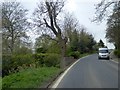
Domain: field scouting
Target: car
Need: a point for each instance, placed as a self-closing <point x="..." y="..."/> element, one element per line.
<point x="103" y="53"/>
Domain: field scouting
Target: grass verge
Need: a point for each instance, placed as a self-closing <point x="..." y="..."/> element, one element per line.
<point x="0" y="83"/>
<point x="116" y="59"/>
<point x="30" y="78"/>
<point x="85" y="54"/>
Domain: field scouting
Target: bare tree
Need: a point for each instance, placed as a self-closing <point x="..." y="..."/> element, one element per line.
<point x="104" y="9"/>
<point x="113" y="27"/>
<point x="14" y="24"/>
<point x="70" y="25"/>
<point x="111" y="10"/>
<point x="46" y="16"/>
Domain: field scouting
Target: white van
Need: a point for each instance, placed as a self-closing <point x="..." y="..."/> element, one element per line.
<point x="103" y="53"/>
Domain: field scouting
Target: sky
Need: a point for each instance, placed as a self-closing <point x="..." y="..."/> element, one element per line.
<point x="84" y="11"/>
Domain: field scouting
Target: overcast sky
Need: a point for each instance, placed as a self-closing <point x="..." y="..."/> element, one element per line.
<point x="84" y="11"/>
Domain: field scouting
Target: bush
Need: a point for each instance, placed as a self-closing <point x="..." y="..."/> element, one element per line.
<point x="41" y="50"/>
<point x="22" y="51"/>
<point x="10" y="63"/>
<point x="75" y="54"/>
<point x="39" y="58"/>
<point x="117" y="53"/>
<point x="47" y="59"/>
<point x="7" y="64"/>
<point x="52" y="60"/>
<point x="23" y="59"/>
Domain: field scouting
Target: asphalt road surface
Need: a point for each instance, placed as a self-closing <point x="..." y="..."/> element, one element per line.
<point x="89" y="72"/>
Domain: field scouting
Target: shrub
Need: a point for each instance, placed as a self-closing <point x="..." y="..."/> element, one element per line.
<point x="75" y="54"/>
<point x="52" y="60"/>
<point x="7" y="64"/>
<point x="39" y="58"/>
<point x="22" y="51"/>
<point x="41" y="50"/>
<point x="47" y="59"/>
<point x="23" y="59"/>
<point x="12" y="62"/>
<point x="117" y="53"/>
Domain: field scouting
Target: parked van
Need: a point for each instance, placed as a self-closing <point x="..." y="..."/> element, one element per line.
<point x="103" y="53"/>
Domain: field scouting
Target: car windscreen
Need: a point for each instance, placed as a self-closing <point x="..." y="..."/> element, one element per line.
<point x="103" y="51"/>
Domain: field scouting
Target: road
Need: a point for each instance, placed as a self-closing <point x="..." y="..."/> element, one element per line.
<point x="89" y="72"/>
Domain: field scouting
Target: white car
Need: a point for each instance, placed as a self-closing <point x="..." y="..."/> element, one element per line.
<point x="103" y="53"/>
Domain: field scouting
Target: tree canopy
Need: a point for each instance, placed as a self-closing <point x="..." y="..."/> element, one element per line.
<point x="14" y="25"/>
<point x="113" y="26"/>
<point x="111" y="10"/>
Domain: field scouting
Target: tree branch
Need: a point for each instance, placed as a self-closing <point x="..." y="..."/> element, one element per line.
<point x="55" y="15"/>
<point x="47" y="25"/>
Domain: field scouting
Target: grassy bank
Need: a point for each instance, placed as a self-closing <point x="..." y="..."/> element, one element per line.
<point x="29" y="78"/>
<point x="32" y="77"/>
<point x="86" y="54"/>
<point x="0" y="83"/>
<point x="116" y="59"/>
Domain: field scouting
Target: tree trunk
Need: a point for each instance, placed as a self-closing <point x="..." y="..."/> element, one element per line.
<point x="12" y="41"/>
<point x="62" y="44"/>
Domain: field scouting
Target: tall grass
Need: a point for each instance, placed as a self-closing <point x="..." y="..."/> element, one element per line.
<point x="29" y="78"/>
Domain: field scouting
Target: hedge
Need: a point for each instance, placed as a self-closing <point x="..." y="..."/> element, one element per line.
<point x="75" y="54"/>
<point x="52" y="60"/>
<point x="117" y="53"/>
<point x="14" y="63"/>
<point x="10" y="63"/>
<point x="47" y="59"/>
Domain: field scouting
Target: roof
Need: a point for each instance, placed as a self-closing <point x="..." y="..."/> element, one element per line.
<point x="103" y="48"/>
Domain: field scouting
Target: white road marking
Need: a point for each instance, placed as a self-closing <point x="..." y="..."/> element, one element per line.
<point x="114" y="61"/>
<point x="61" y="77"/>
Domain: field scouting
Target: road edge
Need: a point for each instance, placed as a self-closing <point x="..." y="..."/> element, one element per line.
<point x="113" y="57"/>
<point x="114" y="61"/>
<point x="59" y="78"/>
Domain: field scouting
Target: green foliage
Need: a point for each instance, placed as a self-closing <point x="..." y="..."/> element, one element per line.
<point x="117" y="53"/>
<point x="85" y="54"/>
<point x="42" y="43"/>
<point x="74" y="40"/>
<point x="81" y="41"/>
<point x="75" y="54"/>
<point x="113" y="25"/>
<point x="12" y="62"/>
<point x="7" y="64"/>
<point x="14" y="25"/>
<point x="52" y="60"/>
<point x="23" y="59"/>
<point x="0" y="83"/>
<point x="40" y="50"/>
<point x="29" y="78"/>
<point x="53" y="48"/>
<point x="39" y="58"/>
<point x="22" y="51"/>
<point x="47" y="59"/>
